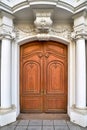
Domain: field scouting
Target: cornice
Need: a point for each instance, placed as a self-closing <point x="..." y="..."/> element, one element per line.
<point x="31" y="3"/>
<point x="51" y="2"/>
<point x="55" y="3"/>
<point x="34" y="3"/>
<point x="4" y="13"/>
<point x="80" y="7"/>
<point x="66" y="6"/>
<point x="20" y="6"/>
<point x="58" y="3"/>
<point x="5" y="7"/>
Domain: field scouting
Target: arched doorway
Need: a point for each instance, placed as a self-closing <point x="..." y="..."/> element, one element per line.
<point x="43" y="77"/>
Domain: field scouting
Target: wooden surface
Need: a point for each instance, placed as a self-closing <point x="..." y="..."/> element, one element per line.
<point x="43" y="77"/>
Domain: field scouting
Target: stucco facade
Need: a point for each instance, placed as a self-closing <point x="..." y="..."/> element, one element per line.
<point x="24" y="21"/>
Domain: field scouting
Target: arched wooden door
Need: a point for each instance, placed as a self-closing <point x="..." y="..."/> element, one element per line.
<point x="43" y="77"/>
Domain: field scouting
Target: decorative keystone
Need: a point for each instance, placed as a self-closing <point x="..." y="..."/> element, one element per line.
<point x="43" y="21"/>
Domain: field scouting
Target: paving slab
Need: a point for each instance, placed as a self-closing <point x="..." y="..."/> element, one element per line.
<point x="71" y="123"/>
<point x="34" y="128"/>
<point x="62" y="128"/>
<point x="3" y="128"/>
<point x="74" y="127"/>
<point x="11" y="127"/>
<point x="23" y="122"/>
<point x="60" y="122"/>
<point x="8" y="128"/>
<point x="21" y="128"/>
<point x="48" y="122"/>
<point x="83" y="128"/>
<point x="35" y="122"/>
<point x="42" y="125"/>
<point x="48" y="128"/>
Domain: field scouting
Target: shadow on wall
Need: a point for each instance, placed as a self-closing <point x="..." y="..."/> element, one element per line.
<point x="0" y="73"/>
<point x="86" y="72"/>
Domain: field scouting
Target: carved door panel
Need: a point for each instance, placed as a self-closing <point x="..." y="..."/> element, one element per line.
<point x="43" y="77"/>
<point x="55" y="70"/>
<point x="31" y="78"/>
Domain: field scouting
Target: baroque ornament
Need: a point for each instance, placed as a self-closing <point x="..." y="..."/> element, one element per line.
<point x="28" y="30"/>
<point x="43" y="21"/>
<point x="79" y="32"/>
<point x="7" y="32"/>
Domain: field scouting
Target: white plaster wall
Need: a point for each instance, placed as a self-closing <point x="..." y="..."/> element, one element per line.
<point x="9" y="21"/>
<point x="0" y="21"/>
<point x="80" y="19"/>
<point x="86" y="20"/>
<point x="71" y="75"/>
<point x="15" y="77"/>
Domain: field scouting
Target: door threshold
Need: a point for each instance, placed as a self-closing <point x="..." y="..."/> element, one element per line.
<point x="42" y="116"/>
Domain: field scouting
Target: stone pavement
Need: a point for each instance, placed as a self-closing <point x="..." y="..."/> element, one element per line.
<point x="42" y="125"/>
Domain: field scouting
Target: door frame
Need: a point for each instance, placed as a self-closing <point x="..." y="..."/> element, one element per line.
<point x="16" y="70"/>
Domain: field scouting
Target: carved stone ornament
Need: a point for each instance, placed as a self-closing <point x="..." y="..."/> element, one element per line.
<point x="7" y="32"/>
<point x="28" y="30"/>
<point x="80" y="31"/>
<point x="43" y="37"/>
<point x="73" y="34"/>
<point x="43" y="20"/>
<point x="79" y="34"/>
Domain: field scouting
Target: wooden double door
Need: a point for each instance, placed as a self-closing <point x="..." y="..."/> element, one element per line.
<point x="43" y="77"/>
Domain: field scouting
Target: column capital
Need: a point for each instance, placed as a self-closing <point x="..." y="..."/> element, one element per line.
<point x="79" y="34"/>
<point x="80" y="25"/>
<point x="7" y="32"/>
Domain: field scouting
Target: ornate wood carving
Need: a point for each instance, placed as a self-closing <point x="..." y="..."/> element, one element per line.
<point x="43" y="77"/>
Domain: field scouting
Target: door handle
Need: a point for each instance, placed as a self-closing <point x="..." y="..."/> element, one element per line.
<point x="43" y="92"/>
